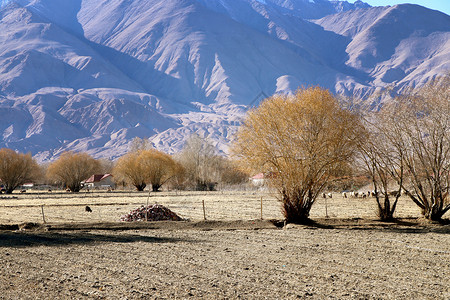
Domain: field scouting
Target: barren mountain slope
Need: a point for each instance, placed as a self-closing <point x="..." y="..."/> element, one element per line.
<point x="89" y="75"/>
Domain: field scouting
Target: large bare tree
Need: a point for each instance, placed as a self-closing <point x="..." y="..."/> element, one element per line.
<point x="16" y="169"/>
<point x="419" y="133"/>
<point x="299" y="140"/>
<point x="71" y="168"/>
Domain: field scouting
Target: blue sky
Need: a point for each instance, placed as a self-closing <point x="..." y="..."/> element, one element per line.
<point x="442" y="5"/>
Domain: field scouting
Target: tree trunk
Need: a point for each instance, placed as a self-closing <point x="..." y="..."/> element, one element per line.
<point x="385" y="212"/>
<point x="295" y="209"/>
<point x="156" y="187"/>
<point x="201" y="186"/>
<point x="433" y="214"/>
<point x="140" y="187"/>
<point x="75" y="188"/>
<point x="435" y="210"/>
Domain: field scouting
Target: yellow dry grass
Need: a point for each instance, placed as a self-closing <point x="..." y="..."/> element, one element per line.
<point x="62" y="207"/>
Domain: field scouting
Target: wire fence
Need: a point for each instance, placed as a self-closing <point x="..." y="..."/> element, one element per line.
<point x="62" y="207"/>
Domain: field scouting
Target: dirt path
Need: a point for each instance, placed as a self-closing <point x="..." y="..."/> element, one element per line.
<point x="219" y="262"/>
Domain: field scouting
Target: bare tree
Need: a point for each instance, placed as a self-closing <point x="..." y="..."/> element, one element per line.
<point x="129" y="169"/>
<point x="70" y="169"/>
<point x="159" y="166"/>
<point x="299" y="140"/>
<point x="106" y="165"/>
<point x="382" y="165"/>
<point x="201" y="162"/>
<point x="16" y="169"/>
<point x="178" y="181"/>
<point x="419" y="133"/>
<point x="230" y="173"/>
<point x="138" y="144"/>
<point x="144" y="167"/>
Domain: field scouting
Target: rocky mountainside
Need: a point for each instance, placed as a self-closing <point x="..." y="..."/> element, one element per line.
<point x="89" y="75"/>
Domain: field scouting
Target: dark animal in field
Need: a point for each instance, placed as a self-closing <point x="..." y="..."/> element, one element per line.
<point x="88" y="209"/>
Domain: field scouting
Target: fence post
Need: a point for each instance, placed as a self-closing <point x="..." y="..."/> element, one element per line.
<point x="43" y="215"/>
<point x="204" y="212"/>
<point x="261" y="208"/>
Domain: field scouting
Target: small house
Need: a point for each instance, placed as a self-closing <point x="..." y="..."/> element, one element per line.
<point x="258" y="179"/>
<point x="100" y="181"/>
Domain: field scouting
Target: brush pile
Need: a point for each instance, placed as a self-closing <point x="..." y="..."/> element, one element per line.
<point x="155" y="212"/>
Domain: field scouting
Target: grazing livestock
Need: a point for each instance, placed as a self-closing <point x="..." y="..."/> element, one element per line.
<point x="88" y="209"/>
<point x="354" y="194"/>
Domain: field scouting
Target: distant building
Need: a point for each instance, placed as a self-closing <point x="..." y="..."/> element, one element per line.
<point x="100" y="181"/>
<point x="258" y="179"/>
<point x="261" y="179"/>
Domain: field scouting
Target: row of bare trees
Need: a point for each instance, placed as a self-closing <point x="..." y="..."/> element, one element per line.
<point x="147" y="166"/>
<point x="197" y="167"/>
<point x="303" y="140"/>
<point x="409" y="150"/>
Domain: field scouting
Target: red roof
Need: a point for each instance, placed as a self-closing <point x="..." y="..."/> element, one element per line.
<point x="268" y="175"/>
<point x="258" y="176"/>
<point x="97" y="178"/>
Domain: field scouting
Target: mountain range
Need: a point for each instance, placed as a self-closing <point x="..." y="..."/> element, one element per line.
<point x="90" y="75"/>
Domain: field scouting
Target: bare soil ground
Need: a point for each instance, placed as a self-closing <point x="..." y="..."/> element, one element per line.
<point x="232" y="255"/>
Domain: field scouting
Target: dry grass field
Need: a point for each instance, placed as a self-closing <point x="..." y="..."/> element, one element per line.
<point x="232" y="255"/>
<point x="62" y="207"/>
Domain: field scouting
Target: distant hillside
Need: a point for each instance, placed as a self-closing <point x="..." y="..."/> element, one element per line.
<point x="89" y="75"/>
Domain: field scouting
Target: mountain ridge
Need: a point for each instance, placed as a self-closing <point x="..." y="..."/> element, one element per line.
<point x="91" y="75"/>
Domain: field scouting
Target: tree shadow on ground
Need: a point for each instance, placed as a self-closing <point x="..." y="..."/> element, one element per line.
<point x="35" y="239"/>
<point x="445" y="229"/>
<point x="406" y="225"/>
